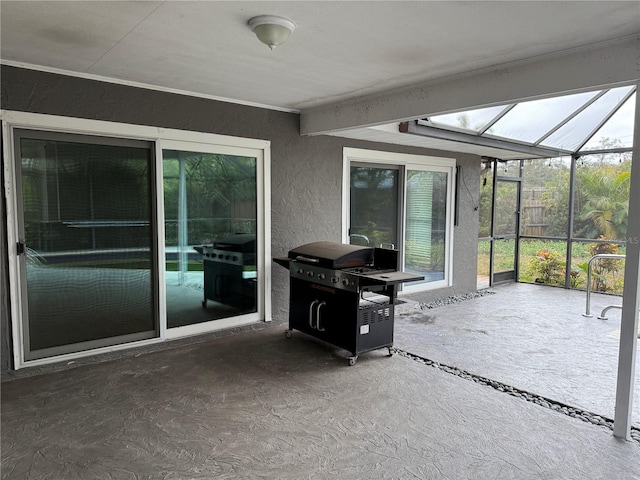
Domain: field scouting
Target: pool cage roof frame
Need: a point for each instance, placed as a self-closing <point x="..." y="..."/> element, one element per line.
<point x="599" y="121"/>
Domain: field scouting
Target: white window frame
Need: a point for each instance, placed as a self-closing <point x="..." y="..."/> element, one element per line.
<point x="406" y="162"/>
<point x="163" y="138"/>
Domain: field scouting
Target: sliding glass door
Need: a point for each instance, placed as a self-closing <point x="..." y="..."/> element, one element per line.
<point x="426" y="216"/>
<point x="405" y="206"/>
<point x="211" y="226"/>
<point x="374" y="208"/>
<point x="117" y="242"/>
<point x="86" y="242"/>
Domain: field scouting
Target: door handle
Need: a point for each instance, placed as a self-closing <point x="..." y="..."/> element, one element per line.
<point x="311" y="305"/>
<point x="320" y="305"/>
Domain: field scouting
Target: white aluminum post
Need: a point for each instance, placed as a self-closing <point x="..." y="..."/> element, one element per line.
<point x="631" y="298"/>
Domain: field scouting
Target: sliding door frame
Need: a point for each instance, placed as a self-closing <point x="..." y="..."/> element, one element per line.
<point x="405" y="162"/>
<point x="212" y="325"/>
<point x="20" y="134"/>
<point x="159" y="137"/>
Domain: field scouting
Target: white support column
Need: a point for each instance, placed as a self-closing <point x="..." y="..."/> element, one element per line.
<point x="631" y="297"/>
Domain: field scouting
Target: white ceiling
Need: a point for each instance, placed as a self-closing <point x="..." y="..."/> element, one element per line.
<point x="339" y="50"/>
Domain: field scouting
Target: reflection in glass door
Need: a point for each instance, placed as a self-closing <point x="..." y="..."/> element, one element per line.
<point x="374" y="206"/>
<point x="210" y="209"/>
<point x="418" y="230"/>
<point x="485" y="207"/>
<point x="425" y="224"/>
<point x="505" y="230"/>
<point x="87" y="260"/>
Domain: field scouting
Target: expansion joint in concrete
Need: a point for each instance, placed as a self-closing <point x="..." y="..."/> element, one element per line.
<point x="559" y="407"/>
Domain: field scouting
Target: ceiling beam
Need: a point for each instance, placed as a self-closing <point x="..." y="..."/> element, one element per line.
<point x="597" y="66"/>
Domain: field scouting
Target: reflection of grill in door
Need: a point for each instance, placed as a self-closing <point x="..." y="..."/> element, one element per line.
<point x="230" y="273"/>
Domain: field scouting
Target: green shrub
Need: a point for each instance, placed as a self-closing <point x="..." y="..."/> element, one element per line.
<point x="547" y="267"/>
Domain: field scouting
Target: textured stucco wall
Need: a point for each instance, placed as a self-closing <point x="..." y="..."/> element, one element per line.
<point x="306" y="172"/>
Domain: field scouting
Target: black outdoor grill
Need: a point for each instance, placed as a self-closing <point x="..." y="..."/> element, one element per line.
<point x="327" y="285"/>
<point x="230" y="271"/>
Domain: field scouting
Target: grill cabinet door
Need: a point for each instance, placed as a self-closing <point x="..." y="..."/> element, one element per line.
<point x="326" y="313"/>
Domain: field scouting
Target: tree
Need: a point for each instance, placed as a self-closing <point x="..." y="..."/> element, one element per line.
<point x="602" y="198"/>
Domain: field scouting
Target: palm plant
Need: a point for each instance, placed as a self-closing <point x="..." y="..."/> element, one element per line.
<point x="606" y="209"/>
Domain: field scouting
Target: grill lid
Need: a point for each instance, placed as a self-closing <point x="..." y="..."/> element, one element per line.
<point x="333" y="255"/>
<point x="241" y="242"/>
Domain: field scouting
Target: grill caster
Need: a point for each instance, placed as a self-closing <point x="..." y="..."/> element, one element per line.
<point x="390" y="352"/>
<point x="287" y="333"/>
<point x="352" y="360"/>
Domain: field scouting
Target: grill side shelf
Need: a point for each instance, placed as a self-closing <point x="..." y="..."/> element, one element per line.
<point x="282" y="261"/>
<point x="388" y="278"/>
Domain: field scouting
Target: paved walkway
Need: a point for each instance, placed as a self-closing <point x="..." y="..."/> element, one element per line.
<point x="528" y="336"/>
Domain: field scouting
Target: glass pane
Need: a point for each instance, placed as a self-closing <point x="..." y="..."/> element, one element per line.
<point x="529" y="121"/>
<point x="618" y="131"/>
<point x="601" y="200"/>
<point x="504" y="255"/>
<point x="574" y="132"/>
<point x="545" y="197"/>
<point x="425" y="230"/>
<point x="543" y="261"/>
<point x="484" y="253"/>
<point x="607" y="274"/>
<point x="471" y="119"/>
<point x="508" y="168"/>
<point x="374" y="207"/>
<point x="210" y="204"/>
<point x="87" y="212"/>
<point x="486" y="199"/>
<point x="506" y="210"/>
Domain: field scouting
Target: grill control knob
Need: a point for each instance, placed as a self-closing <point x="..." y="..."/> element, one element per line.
<point x="235" y="259"/>
<point x="345" y="282"/>
<point x="334" y="279"/>
<point x="321" y="276"/>
<point x="310" y="274"/>
<point x="300" y="271"/>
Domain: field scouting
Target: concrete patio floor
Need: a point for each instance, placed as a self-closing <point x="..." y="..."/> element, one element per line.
<point x="531" y="337"/>
<point x="256" y="405"/>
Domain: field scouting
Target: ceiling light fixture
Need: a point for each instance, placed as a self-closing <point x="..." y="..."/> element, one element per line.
<point x="271" y="30"/>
